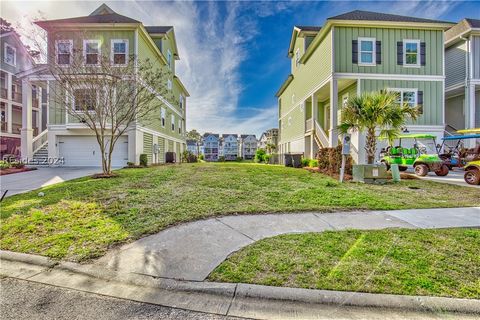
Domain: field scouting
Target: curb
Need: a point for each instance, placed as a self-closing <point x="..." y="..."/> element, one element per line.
<point x="247" y="292"/>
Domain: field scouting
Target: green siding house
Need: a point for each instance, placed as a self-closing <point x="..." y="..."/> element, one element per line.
<point x="107" y="31"/>
<point x="352" y="53"/>
<point x="462" y="71"/>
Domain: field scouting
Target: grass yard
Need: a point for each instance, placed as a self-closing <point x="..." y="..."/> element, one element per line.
<point x="80" y="219"/>
<point x="442" y="262"/>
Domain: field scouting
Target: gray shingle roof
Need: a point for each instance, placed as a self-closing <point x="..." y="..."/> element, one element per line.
<point x="474" y="23"/>
<point x="158" y="29"/>
<point x="377" y="16"/>
<point x="101" y="18"/>
<point x="309" y="28"/>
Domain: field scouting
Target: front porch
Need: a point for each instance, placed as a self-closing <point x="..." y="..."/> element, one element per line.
<point x="322" y="116"/>
<point x="462" y="106"/>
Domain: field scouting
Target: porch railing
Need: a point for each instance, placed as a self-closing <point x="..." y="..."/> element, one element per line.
<point x="321" y="135"/>
<point x="4" y="93"/>
<point x="309" y="125"/>
<point x="40" y="140"/>
<point x="17" y="96"/>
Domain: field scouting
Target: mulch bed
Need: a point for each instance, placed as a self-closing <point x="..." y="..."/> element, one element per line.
<point x="15" y="170"/>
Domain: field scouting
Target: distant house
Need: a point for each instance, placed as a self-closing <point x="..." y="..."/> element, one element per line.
<point x="268" y="138"/>
<point x="211" y="146"/>
<point x="192" y="146"/>
<point x="248" y="146"/>
<point x="230" y="146"/>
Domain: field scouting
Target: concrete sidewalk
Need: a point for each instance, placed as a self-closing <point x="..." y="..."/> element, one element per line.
<point x="191" y="251"/>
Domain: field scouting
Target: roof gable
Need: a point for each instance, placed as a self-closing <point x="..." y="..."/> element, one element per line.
<point x="377" y="16"/>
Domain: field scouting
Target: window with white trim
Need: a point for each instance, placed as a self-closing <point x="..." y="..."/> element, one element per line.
<point x="180" y="126"/>
<point x="172" y="121"/>
<point x="169" y="58"/>
<point x="84" y="100"/>
<point x="181" y="99"/>
<point x="366" y="51"/>
<point x="162" y="116"/>
<point x="119" y="52"/>
<point x="411" y="53"/>
<point x="406" y="96"/>
<point x="169" y="84"/>
<point x="91" y="52"/>
<point x="64" y="50"/>
<point x="10" y="55"/>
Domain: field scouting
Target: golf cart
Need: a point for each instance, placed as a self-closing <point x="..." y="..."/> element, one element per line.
<point x="472" y="159"/>
<point x="454" y="155"/>
<point x="417" y="156"/>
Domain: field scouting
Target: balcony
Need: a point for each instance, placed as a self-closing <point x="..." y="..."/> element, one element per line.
<point x="4" y="93"/>
<point x="17" y="97"/>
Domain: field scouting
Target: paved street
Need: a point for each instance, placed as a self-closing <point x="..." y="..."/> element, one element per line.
<point x="192" y="250"/>
<point x="454" y="177"/>
<point x="21" y="299"/>
<point x="31" y="180"/>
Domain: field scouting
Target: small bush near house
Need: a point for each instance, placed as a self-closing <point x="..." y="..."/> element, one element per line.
<point x="305" y="162"/>
<point x="18" y="164"/>
<point x="189" y="157"/>
<point x="239" y="159"/>
<point x="267" y="158"/>
<point x="4" y="164"/>
<point x="201" y="157"/>
<point x="313" y="163"/>
<point x="221" y="159"/>
<point x="330" y="161"/>
<point x="260" y="155"/>
<point x="144" y="160"/>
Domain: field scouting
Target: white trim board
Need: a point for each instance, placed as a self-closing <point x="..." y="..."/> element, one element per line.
<point x="381" y="76"/>
<point x="159" y="134"/>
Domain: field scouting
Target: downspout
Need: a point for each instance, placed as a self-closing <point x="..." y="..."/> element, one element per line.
<point x="467" y="80"/>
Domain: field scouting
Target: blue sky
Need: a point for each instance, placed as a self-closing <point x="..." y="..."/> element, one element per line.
<point x="233" y="54"/>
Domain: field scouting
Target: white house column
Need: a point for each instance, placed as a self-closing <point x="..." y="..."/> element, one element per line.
<point x="135" y="145"/>
<point x="27" y="132"/>
<point x="333" y="132"/>
<point x="470" y="112"/>
<point x="314" y="120"/>
<point x="9" y="104"/>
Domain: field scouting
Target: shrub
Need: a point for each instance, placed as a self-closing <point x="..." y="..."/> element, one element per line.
<point x="239" y="159"/>
<point x="305" y="162"/>
<point x="267" y="158"/>
<point x="18" y="164"/>
<point x="221" y="159"/>
<point x="330" y="160"/>
<point x="260" y="155"/>
<point x="4" y="164"/>
<point x="189" y="157"/>
<point x="143" y="160"/>
<point x="201" y="157"/>
<point x="313" y="163"/>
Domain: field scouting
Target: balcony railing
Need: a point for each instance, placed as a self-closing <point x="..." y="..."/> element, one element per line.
<point x="309" y="125"/>
<point x="16" y="128"/>
<point x="4" y="93"/>
<point x="17" y="96"/>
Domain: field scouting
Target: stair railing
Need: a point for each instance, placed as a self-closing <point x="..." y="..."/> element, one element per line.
<point x="321" y="135"/>
<point x="39" y="141"/>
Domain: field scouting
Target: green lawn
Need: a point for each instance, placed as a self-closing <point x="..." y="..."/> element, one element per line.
<point x="82" y="218"/>
<point x="399" y="261"/>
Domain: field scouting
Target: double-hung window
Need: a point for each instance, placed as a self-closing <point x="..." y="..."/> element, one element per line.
<point x="10" y="55"/>
<point x="179" y="126"/>
<point x="366" y="51"/>
<point x="64" y="51"/>
<point x="411" y="53"/>
<point x="181" y="98"/>
<point x="84" y="100"/>
<point x="172" y="118"/>
<point x="162" y="116"/>
<point x="406" y="96"/>
<point x="169" y="58"/>
<point x="119" y="52"/>
<point x="91" y="52"/>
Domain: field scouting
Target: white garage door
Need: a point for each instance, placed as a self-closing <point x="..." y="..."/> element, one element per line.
<point x="84" y="151"/>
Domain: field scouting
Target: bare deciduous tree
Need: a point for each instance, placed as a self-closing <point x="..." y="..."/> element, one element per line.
<point x="108" y="92"/>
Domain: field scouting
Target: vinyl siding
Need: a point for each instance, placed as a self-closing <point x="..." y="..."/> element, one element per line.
<point x="22" y="61"/>
<point x="455" y="64"/>
<point x="432" y="96"/>
<point x="389" y="38"/>
<point x="148" y="146"/>
<point x="455" y="112"/>
<point x="161" y="150"/>
<point x="476" y="57"/>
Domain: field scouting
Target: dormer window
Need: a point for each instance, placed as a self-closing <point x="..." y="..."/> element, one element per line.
<point x="119" y="52"/>
<point x="10" y="55"/>
<point x="91" y="52"/>
<point x="64" y="51"/>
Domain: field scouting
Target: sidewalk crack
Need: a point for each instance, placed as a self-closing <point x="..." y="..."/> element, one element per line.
<point x="233" y="298"/>
<point x="229" y="226"/>
<point x="328" y="223"/>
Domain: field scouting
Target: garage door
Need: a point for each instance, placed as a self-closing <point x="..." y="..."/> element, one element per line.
<point x="84" y="151"/>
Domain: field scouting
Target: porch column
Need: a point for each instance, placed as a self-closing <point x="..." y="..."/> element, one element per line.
<point x="9" y="104"/>
<point x="314" y="121"/>
<point x="333" y="132"/>
<point x="471" y="107"/>
<point x="27" y="132"/>
<point x="40" y="112"/>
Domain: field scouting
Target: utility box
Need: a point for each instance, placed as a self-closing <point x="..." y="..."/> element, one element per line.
<point x="370" y="173"/>
<point x="288" y="160"/>
<point x="297" y="160"/>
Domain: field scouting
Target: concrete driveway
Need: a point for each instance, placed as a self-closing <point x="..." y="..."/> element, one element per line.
<point x="31" y="180"/>
<point x="454" y="177"/>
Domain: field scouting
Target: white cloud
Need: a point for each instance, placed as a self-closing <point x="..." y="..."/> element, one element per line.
<point x="432" y="9"/>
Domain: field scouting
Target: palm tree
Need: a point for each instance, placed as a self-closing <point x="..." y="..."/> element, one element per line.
<point x="376" y="110"/>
